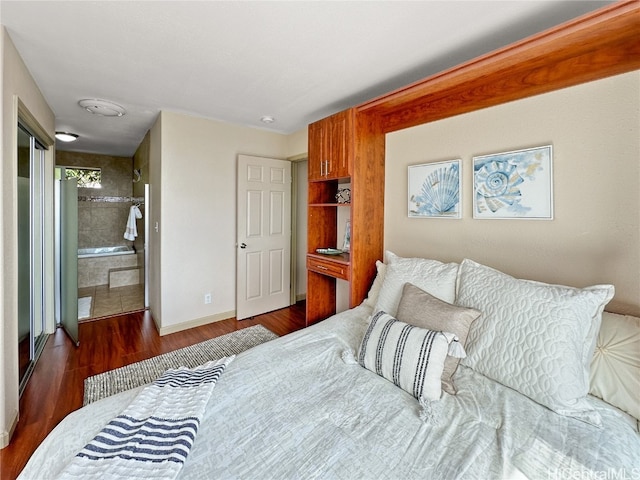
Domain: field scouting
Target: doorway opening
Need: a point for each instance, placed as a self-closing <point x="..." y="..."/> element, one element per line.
<point x="111" y="224"/>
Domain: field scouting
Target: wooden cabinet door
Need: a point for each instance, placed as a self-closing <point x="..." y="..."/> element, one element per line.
<point x="316" y="151"/>
<point x="329" y="147"/>
<point x="339" y="156"/>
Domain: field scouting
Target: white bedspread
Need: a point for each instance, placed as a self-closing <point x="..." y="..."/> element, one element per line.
<point x="292" y="408"/>
<point x="152" y="437"/>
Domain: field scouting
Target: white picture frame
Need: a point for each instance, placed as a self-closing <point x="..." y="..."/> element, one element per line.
<point x="514" y="185"/>
<point x="435" y="190"/>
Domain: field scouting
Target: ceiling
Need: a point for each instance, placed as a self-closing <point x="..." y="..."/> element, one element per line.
<point x="237" y="61"/>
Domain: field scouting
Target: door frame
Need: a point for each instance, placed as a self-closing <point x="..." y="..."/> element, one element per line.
<point x="295" y="207"/>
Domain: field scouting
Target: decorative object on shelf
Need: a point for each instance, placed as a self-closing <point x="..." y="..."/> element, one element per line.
<point x="435" y="190"/>
<point x="343" y="195"/>
<point x="347" y="237"/>
<point x="328" y="251"/>
<point x="515" y="184"/>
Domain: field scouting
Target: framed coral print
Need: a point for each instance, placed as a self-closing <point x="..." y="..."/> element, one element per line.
<point x="434" y="190"/>
<point x="513" y="185"/>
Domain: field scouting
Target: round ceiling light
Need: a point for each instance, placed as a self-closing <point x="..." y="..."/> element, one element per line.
<point x="66" y="136"/>
<point x="267" y="119"/>
<point x="102" y="107"/>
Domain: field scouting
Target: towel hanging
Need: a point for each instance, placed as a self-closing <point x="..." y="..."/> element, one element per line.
<point x="131" y="231"/>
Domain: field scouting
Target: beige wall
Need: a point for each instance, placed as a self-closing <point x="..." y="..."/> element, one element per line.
<point x="16" y="82"/>
<point x="595" y="235"/>
<point x="197" y="215"/>
<point x="297" y="143"/>
<point x="301" y="229"/>
<point x="154" y="286"/>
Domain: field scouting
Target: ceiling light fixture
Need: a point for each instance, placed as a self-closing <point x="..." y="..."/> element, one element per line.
<point x="267" y="119"/>
<point x="102" y="107"/>
<point x="66" y="136"/>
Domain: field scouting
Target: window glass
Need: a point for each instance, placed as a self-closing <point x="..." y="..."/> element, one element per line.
<point x="87" y="177"/>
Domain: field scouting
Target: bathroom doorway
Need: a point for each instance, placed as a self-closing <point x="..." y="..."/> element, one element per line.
<point x="111" y="233"/>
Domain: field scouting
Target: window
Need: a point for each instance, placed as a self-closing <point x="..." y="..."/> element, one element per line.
<point x="87" y="177"/>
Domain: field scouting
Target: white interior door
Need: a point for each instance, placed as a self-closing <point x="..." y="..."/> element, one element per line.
<point x="263" y="236"/>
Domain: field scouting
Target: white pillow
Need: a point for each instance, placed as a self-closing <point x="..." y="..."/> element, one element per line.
<point x="432" y="276"/>
<point x="374" y="291"/>
<point x="411" y="357"/>
<point x="615" y="367"/>
<point x="534" y="337"/>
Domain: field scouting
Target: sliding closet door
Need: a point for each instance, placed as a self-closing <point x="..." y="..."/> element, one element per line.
<point x="68" y="211"/>
<point x="31" y="251"/>
<point x="25" y="347"/>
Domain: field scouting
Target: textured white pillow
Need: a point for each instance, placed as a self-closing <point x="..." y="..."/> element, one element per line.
<point x="374" y="291"/>
<point x="615" y="367"/>
<point x="534" y="337"/>
<point x="411" y="357"/>
<point x="432" y="276"/>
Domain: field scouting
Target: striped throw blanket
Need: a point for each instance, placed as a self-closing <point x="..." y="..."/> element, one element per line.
<point x="152" y="437"/>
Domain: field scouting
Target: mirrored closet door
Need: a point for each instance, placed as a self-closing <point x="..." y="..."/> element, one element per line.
<point x="31" y="251"/>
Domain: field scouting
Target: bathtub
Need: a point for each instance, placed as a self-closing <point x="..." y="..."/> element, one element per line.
<point x="105" y="251"/>
<point x="96" y="264"/>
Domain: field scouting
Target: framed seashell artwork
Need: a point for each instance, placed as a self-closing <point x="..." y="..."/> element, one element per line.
<point x="435" y="190"/>
<point x="512" y="185"/>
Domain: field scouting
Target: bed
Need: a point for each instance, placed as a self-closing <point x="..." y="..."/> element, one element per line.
<point x="310" y="405"/>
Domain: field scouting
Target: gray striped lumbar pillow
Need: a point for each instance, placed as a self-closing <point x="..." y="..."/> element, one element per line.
<point x="411" y="357"/>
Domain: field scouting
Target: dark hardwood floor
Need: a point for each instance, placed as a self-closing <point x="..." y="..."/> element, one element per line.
<point x="56" y="387"/>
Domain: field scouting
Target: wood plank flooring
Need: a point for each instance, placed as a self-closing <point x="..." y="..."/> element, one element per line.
<point x="56" y="387"/>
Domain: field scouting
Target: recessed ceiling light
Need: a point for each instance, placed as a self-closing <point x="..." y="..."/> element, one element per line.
<point x="102" y="107"/>
<point x="66" y="136"/>
<point x="267" y="119"/>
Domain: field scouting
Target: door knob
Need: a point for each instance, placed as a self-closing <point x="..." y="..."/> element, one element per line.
<point x="243" y="245"/>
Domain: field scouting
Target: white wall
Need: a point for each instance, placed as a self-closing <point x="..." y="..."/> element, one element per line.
<point x="16" y="82"/>
<point x="595" y="236"/>
<point x="197" y="215"/>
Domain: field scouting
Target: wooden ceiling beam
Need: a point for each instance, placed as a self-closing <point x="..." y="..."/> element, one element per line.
<point x="601" y="44"/>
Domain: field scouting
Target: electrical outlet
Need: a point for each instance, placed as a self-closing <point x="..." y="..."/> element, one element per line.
<point x="207" y="298"/>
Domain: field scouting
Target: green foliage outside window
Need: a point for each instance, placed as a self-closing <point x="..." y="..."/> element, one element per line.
<point x="87" y="177"/>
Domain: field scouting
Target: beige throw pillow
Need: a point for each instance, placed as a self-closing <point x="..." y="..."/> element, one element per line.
<point x="423" y="310"/>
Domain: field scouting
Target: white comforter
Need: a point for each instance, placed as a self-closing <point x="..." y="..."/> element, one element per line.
<point x="292" y="408"/>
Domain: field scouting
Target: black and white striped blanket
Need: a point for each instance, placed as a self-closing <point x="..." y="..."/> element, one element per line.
<point x="152" y="437"/>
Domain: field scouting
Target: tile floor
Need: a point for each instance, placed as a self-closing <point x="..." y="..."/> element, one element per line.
<point x="112" y="301"/>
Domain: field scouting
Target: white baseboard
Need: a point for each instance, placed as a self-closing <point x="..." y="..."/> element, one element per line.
<point x="301" y="296"/>
<point x="198" y="322"/>
<point x="5" y="437"/>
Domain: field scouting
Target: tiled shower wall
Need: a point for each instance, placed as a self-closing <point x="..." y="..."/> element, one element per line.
<point x="102" y="223"/>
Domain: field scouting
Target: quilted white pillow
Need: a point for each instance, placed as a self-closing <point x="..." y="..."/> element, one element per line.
<point x="534" y="337"/>
<point x="432" y="276"/>
<point x="374" y="291"/>
<point x="615" y="367"/>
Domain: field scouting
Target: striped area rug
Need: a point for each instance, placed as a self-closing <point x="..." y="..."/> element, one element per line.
<point x="146" y="371"/>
